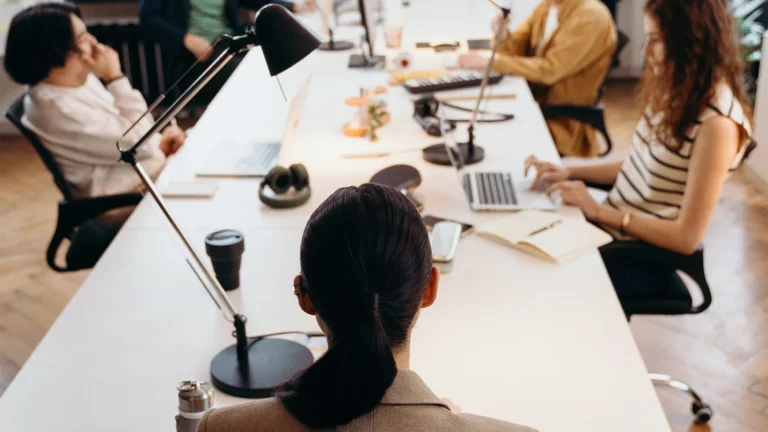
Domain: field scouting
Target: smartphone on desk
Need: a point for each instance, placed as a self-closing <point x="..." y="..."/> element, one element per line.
<point x="430" y="221"/>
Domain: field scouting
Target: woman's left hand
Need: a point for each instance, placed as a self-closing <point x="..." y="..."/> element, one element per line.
<point x="574" y="193"/>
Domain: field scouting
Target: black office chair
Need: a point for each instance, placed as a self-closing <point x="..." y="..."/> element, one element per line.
<point x="593" y="115"/>
<point x="674" y="299"/>
<point x="88" y="239"/>
<point x="143" y="61"/>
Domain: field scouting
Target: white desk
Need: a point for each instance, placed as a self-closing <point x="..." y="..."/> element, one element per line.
<point x="510" y="336"/>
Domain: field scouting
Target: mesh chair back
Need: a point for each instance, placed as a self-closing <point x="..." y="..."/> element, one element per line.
<point x="14" y="114"/>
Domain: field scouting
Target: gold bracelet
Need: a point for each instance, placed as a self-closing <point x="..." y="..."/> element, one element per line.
<point x="625" y="223"/>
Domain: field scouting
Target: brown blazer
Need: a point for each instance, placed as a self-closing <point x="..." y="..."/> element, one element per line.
<point x="408" y="405"/>
<point x="569" y="68"/>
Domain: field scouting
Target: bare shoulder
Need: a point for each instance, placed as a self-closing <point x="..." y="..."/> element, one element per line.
<point x="487" y="424"/>
<point x="263" y="415"/>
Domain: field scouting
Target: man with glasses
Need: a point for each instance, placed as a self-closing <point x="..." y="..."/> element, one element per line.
<point x="79" y="102"/>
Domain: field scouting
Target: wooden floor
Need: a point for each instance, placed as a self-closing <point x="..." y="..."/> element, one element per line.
<point x="722" y="353"/>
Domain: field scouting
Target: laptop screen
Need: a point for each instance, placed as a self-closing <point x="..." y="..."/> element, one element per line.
<point x="292" y="123"/>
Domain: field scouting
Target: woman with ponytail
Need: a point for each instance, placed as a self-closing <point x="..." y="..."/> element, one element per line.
<point x="366" y="271"/>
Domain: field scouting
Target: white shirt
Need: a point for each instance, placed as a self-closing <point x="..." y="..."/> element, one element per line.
<point x="550" y="26"/>
<point x="80" y="127"/>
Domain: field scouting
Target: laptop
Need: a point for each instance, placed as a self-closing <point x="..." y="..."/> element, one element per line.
<point x="495" y="190"/>
<point x="256" y="158"/>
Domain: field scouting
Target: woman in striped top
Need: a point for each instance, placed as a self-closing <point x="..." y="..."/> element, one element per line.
<point x="694" y="131"/>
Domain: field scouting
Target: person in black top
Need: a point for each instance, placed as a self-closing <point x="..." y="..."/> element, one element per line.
<point x="188" y="29"/>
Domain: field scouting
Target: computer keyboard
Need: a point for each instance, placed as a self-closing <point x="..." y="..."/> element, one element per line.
<point x="495" y="188"/>
<point x="260" y="155"/>
<point x="453" y="82"/>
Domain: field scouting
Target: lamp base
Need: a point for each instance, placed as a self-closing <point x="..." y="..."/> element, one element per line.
<point x="336" y="46"/>
<point x="361" y="61"/>
<point x="271" y="363"/>
<point x="438" y="155"/>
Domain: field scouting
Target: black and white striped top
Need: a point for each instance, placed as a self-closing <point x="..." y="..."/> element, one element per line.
<point x="653" y="178"/>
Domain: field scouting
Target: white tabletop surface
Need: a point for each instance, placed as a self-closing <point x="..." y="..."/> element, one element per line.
<point x="510" y="336"/>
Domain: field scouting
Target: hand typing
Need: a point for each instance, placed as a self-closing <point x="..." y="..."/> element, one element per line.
<point x="473" y="61"/>
<point x="546" y="172"/>
<point x="574" y="193"/>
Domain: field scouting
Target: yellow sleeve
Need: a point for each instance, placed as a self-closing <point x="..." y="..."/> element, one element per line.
<point x="581" y="41"/>
<point x="519" y="41"/>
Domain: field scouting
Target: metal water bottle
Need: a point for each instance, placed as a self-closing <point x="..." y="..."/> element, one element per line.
<point x="195" y="398"/>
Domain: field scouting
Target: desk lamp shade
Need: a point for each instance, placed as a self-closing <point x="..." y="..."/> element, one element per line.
<point x="284" y="40"/>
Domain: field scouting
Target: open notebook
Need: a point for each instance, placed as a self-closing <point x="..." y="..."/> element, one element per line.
<point x="545" y="235"/>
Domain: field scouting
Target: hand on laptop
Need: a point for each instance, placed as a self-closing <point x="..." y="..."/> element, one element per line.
<point x="574" y="193"/>
<point x="172" y="140"/>
<point x="546" y="172"/>
<point x="473" y="61"/>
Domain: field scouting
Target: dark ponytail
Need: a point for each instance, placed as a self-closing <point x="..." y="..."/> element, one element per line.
<point x="366" y="261"/>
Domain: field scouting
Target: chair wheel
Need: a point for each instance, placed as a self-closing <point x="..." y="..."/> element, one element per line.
<point x="702" y="411"/>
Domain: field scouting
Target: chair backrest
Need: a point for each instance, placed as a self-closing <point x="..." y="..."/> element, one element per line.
<point x="14" y="114"/>
<point x="750" y="148"/>
<point x="142" y="60"/>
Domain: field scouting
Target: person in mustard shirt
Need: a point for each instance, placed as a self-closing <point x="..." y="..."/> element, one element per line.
<point x="564" y="50"/>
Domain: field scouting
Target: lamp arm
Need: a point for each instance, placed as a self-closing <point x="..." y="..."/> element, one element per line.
<point x="235" y="45"/>
<point x="484" y="83"/>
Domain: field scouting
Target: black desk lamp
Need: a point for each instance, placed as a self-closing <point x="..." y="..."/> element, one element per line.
<point x="470" y="152"/>
<point x="250" y="369"/>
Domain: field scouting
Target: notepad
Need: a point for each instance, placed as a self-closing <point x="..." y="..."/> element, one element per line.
<point x="545" y="235"/>
<point x="190" y="189"/>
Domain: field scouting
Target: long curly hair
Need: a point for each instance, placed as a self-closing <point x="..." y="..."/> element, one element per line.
<point x="702" y="50"/>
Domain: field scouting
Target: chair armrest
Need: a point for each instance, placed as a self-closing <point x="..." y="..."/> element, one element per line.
<point x="78" y="211"/>
<point x="591" y="115"/>
<point x="74" y="213"/>
<point x="692" y="265"/>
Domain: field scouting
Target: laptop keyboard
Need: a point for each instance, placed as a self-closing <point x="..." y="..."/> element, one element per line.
<point x="494" y="188"/>
<point x="260" y="155"/>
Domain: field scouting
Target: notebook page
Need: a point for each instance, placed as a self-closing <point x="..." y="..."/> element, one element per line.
<point x="563" y="240"/>
<point x="519" y="225"/>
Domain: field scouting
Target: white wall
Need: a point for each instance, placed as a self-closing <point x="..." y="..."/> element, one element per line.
<point x="758" y="161"/>
<point x="629" y="19"/>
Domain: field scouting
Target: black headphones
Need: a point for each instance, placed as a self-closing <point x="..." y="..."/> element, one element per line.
<point x="425" y="113"/>
<point x="280" y="180"/>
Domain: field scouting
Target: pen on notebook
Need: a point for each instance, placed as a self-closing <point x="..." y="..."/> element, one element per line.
<point x="540" y="230"/>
